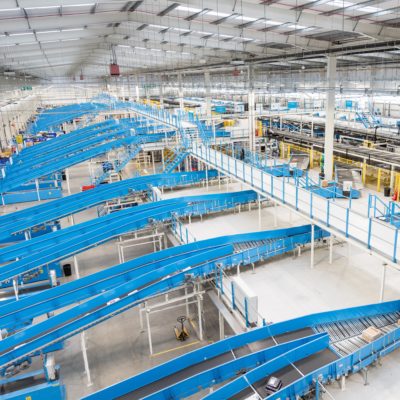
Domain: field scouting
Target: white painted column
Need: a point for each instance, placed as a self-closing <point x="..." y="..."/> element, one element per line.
<point x="162" y="159"/>
<point x="37" y="189"/>
<point x="392" y="175"/>
<point x="161" y="94"/>
<point x="383" y="282"/>
<point x="207" y="86"/>
<point x="330" y="249"/>
<point x="180" y="95"/>
<point x="137" y="93"/>
<point x="68" y="182"/>
<point x="252" y="120"/>
<point x="200" y="320"/>
<point x="312" y="245"/>
<point x="85" y="359"/>
<point x="153" y="162"/>
<point x="221" y="326"/>
<point x="149" y="330"/>
<point x="330" y="118"/>
<point x="251" y="112"/>
<point x="187" y="302"/>
<point x="312" y="125"/>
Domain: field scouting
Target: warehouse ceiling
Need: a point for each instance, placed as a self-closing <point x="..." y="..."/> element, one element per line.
<point x="50" y="38"/>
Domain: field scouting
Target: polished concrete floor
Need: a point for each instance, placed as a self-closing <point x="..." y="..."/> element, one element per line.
<point x="287" y="287"/>
<point x="118" y="348"/>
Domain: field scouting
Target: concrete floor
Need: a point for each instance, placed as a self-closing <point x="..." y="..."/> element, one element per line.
<point x="118" y="348"/>
<point x="287" y="287"/>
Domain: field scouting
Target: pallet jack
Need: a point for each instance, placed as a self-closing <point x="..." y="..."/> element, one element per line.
<point x="181" y="333"/>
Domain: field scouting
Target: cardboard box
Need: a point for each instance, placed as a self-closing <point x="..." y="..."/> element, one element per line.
<point x="324" y="183"/>
<point x="370" y="334"/>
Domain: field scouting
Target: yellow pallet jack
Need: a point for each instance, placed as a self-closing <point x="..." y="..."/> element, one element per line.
<point x="181" y="333"/>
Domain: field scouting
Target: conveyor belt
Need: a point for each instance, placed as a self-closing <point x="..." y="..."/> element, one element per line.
<point x="346" y="329"/>
<point x="346" y="335"/>
<point x="342" y="128"/>
<point x="213" y="362"/>
<point x="27" y="218"/>
<point x="17" y="178"/>
<point x="53" y="117"/>
<point x="23" y="384"/>
<point x="372" y="156"/>
<point x="290" y="374"/>
<point x="133" y="292"/>
<point x="57" y="245"/>
<point x="170" y="380"/>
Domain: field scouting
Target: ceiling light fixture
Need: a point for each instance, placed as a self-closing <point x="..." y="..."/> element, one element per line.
<point x="197" y="15"/>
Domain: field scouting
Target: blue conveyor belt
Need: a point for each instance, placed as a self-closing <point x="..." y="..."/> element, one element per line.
<point x="65" y="140"/>
<point x="60" y="244"/>
<point x="64" y="151"/>
<point x="149" y="283"/>
<point x="53" y="117"/>
<point x="24" y="310"/>
<point x="298" y="369"/>
<point x="19" y="221"/>
<point x="18" y="178"/>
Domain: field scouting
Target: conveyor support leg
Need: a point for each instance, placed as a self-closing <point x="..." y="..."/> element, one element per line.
<point x="312" y="245"/>
<point x="221" y="326"/>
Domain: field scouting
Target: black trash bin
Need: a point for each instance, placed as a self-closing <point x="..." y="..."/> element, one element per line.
<point x="67" y="269"/>
<point x="386" y="191"/>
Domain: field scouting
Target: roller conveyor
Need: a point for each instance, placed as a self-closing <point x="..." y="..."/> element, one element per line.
<point x="342" y="127"/>
<point x="66" y="150"/>
<point x="373" y="156"/>
<point x="44" y="158"/>
<point x="346" y="335"/>
<point x="22" y="220"/>
<point x="57" y="245"/>
<point x="52" y="118"/>
<point x="134" y="291"/>
<point x="18" y="178"/>
<point x="324" y="358"/>
<point x="237" y="358"/>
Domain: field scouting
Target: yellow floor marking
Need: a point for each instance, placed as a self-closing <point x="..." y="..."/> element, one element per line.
<point x="175" y="348"/>
<point x="192" y="323"/>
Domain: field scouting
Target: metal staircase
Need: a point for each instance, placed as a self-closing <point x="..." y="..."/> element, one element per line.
<point x="177" y="156"/>
<point x="119" y="164"/>
<point x="368" y="119"/>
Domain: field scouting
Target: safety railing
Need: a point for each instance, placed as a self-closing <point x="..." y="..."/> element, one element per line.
<point x="380" y="237"/>
<point x="377" y="208"/>
<point x="372" y="233"/>
<point x="180" y="231"/>
<point x="388" y="212"/>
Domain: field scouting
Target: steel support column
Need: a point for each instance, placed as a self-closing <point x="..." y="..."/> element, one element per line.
<point x="383" y="282"/>
<point x="251" y="112"/>
<point x="312" y="245"/>
<point x="180" y="95"/>
<point x="207" y="85"/>
<point x="330" y="118"/>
